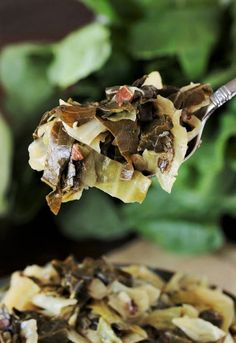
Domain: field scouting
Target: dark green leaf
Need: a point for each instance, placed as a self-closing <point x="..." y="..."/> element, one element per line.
<point x="23" y="75"/>
<point x="189" y="33"/>
<point x="94" y="216"/>
<point x="229" y="204"/>
<point x="117" y="69"/>
<point x="182" y="236"/>
<point x="219" y="77"/>
<point x="28" y="195"/>
<point x="233" y="32"/>
<point x="88" y="90"/>
<point x="150" y="7"/>
<point x="183" y="203"/>
<point x="5" y="162"/>
<point x="224" y="144"/>
<point x="79" y="54"/>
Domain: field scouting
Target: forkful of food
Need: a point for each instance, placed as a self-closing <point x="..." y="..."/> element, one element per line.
<point x="117" y="144"/>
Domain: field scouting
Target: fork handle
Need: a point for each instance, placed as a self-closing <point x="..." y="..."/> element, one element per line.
<point x="220" y="97"/>
<point x="224" y="93"/>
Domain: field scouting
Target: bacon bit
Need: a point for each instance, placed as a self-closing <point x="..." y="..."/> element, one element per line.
<point x="76" y="154"/>
<point x="4" y="324"/>
<point x="132" y="308"/>
<point x="186" y="115"/>
<point x="123" y="94"/>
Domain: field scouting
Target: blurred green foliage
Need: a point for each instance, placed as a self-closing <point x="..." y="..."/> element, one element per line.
<point x="5" y="162"/>
<point x="186" y="40"/>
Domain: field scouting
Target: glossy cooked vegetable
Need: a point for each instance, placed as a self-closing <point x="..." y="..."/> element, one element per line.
<point x="97" y="302"/>
<point x="116" y="144"/>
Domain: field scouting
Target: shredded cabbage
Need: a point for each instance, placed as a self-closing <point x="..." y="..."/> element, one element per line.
<point x="138" y="131"/>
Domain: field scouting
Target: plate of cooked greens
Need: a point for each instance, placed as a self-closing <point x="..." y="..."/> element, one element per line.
<point x="96" y="301"/>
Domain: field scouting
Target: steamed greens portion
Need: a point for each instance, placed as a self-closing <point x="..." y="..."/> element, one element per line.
<point x="97" y="302"/>
<point x="116" y="144"/>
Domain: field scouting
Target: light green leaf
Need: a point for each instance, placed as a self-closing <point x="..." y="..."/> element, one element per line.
<point x="5" y="162"/>
<point x="182" y="236"/>
<point x="23" y="76"/>
<point x="102" y="7"/>
<point x="94" y="216"/>
<point x="189" y="33"/>
<point x="79" y="54"/>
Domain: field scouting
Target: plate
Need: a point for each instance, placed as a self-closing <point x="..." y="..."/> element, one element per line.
<point x="164" y="274"/>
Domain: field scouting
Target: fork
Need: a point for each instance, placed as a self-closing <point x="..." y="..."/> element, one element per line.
<point x="217" y="99"/>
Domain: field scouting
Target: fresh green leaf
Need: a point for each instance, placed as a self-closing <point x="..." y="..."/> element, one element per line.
<point x="194" y="62"/>
<point x="94" y="216"/>
<point x="184" y="203"/>
<point x="23" y="75"/>
<point x="225" y="142"/>
<point x="188" y="33"/>
<point x="102" y="7"/>
<point x="214" y="158"/>
<point x="79" y="54"/>
<point x="5" y="162"/>
<point x="229" y="204"/>
<point x="219" y="77"/>
<point x="182" y="236"/>
<point x="151" y="7"/>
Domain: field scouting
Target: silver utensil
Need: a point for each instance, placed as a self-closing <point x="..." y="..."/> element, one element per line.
<point x="218" y="98"/>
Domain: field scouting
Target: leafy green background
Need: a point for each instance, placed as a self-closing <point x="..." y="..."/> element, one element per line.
<point x="186" y="40"/>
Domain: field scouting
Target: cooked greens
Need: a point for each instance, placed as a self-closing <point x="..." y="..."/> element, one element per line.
<point x="97" y="302"/>
<point x="117" y="143"/>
